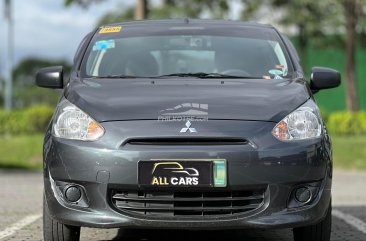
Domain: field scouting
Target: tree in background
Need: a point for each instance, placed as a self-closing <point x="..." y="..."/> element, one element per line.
<point x="117" y="16"/>
<point x="352" y="12"/>
<point x="314" y="19"/>
<point x="167" y="9"/>
<point x="196" y="8"/>
<point x="83" y="3"/>
<point x="25" y="91"/>
<point x="139" y="12"/>
<point x="308" y="18"/>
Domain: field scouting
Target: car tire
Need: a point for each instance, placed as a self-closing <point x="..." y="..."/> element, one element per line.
<point x="318" y="232"/>
<point x="55" y="231"/>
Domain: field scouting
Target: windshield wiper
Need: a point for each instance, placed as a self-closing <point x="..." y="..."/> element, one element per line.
<point x="119" y="77"/>
<point x="200" y="75"/>
<point x="205" y="76"/>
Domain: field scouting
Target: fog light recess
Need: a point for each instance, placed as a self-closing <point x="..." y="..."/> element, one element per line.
<point x="303" y="194"/>
<point x="69" y="194"/>
<point x="72" y="194"/>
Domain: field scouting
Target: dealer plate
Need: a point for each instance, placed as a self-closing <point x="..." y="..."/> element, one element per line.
<point x="182" y="173"/>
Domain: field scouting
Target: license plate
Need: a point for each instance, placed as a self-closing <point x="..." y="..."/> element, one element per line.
<point x="182" y="173"/>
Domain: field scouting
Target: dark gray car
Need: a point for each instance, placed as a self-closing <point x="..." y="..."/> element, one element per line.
<point x="187" y="124"/>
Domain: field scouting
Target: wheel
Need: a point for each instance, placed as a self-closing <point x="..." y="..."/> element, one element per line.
<point x="55" y="231"/>
<point x="318" y="232"/>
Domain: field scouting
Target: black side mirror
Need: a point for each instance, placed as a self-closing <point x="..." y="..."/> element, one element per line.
<point x="50" y="77"/>
<point x="324" y="78"/>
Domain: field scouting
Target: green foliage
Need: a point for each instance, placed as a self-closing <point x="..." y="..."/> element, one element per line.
<point x="310" y="19"/>
<point x="116" y="16"/>
<point x="83" y="3"/>
<point x="12" y="123"/>
<point x="28" y="121"/>
<point x="167" y="9"/>
<point x="25" y="71"/>
<point x="196" y="8"/>
<point x="334" y="99"/>
<point x="362" y="119"/>
<point x="312" y="15"/>
<point x="26" y="96"/>
<point x="25" y="92"/>
<point x="38" y="118"/>
<point x="347" y="123"/>
<point x="324" y="113"/>
<point x="349" y="152"/>
<point x="23" y="152"/>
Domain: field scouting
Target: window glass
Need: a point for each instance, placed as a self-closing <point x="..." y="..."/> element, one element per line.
<point x="164" y="53"/>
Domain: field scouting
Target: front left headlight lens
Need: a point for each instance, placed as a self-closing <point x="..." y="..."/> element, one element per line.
<point x="303" y="123"/>
<point x="72" y="123"/>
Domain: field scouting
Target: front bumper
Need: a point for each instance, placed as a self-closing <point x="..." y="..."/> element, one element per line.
<point x="264" y="161"/>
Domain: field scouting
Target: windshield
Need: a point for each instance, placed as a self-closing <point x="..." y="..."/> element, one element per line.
<point x="141" y="52"/>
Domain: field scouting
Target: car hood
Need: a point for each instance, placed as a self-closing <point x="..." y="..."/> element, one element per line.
<point x="146" y="99"/>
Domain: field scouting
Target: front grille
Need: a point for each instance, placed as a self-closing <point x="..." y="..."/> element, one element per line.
<point x="183" y="141"/>
<point x="213" y="203"/>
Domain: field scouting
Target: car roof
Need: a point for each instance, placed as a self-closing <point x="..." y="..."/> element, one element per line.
<point x="191" y="21"/>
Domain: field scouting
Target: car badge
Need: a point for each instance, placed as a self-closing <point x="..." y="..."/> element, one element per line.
<point x="188" y="128"/>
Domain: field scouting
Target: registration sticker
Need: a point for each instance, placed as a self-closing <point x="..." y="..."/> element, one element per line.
<point x="110" y="29"/>
<point x="219" y="173"/>
<point x="104" y="44"/>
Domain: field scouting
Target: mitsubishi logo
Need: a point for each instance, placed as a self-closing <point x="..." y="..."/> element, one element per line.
<point x="188" y="127"/>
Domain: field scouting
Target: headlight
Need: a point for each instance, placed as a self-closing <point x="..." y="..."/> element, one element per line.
<point x="303" y="123"/>
<point x="72" y="123"/>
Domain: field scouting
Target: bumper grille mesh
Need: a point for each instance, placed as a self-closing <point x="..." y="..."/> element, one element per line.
<point x="213" y="203"/>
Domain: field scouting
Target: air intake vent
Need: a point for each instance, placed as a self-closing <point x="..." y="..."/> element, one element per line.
<point x="186" y="141"/>
<point x="214" y="203"/>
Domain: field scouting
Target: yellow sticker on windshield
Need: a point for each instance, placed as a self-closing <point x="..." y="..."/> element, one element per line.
<point x="111" y="29"/>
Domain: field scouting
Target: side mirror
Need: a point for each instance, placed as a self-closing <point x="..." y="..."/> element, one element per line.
<point x="324" y="78"/>
<point x="50" y="77"/>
